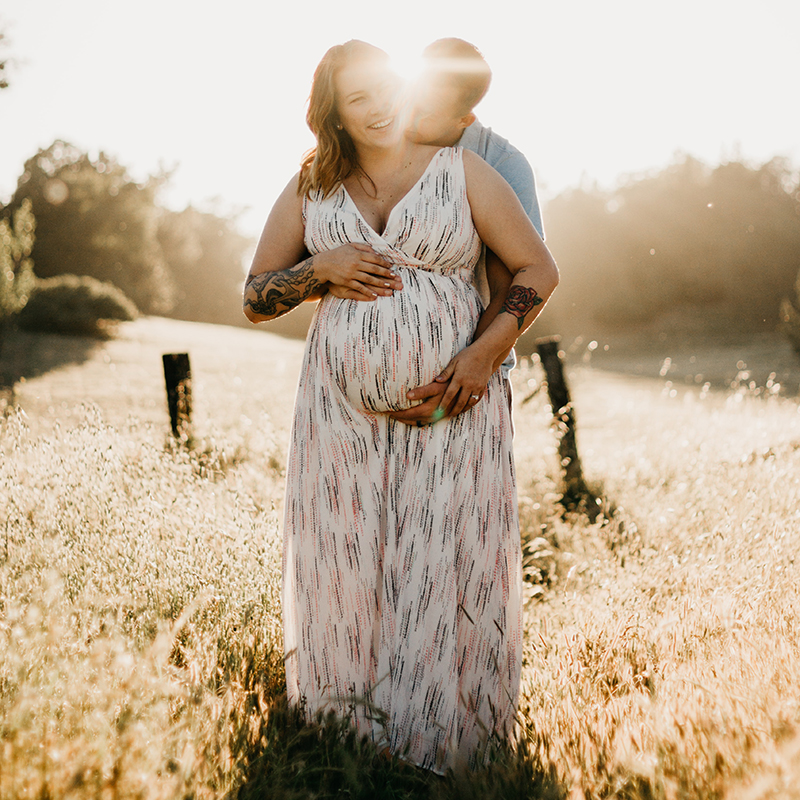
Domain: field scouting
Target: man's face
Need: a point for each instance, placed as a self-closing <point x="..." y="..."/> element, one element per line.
<point x="435" y="116"/>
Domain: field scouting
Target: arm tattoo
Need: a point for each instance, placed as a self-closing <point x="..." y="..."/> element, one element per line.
<point x="520" y="300"/>
<point x="272" y="294"/>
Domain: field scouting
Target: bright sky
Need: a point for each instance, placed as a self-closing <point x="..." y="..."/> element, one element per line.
<point x="586" y="89"/>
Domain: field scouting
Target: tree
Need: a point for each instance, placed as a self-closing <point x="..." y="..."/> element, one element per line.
<point x="205" y="254"/>
<point x="16" y="268"/>
<point x="3" y="62"/>
<point x="94" y="219"/>
<point x="691" y="250"/>
<point x="790" y="319"/>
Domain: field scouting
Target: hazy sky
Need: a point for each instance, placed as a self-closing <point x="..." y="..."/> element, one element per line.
<point x="585" y="89"/>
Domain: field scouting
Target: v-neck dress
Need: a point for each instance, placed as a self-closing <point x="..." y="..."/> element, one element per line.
<point x="402" y="575"/>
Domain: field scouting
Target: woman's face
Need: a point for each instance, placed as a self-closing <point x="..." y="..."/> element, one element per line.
<point x="368" y="102"/>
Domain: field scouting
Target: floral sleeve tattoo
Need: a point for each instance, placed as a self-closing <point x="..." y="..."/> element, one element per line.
<point x="520" y="300"/>
<point x="272" y="294"/>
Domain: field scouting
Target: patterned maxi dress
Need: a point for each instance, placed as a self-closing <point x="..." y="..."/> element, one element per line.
<point x="402" y="574"/>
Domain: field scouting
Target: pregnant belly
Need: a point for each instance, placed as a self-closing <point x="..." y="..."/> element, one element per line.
<point x="376" y="351"/>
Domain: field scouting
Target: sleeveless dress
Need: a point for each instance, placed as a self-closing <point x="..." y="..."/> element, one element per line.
<point x="402" y="574"/>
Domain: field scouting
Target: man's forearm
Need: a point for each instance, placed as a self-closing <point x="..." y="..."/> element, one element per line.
<point x="499" y="279"/>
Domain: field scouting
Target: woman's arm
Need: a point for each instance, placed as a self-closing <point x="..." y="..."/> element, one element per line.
<point x="505" y="229"/>
<point x="282" y="274"/>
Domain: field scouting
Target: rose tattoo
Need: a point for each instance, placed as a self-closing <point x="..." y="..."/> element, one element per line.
<point x="520" y="300"/>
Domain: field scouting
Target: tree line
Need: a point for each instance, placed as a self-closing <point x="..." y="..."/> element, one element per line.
<point x="688" y="251"/>
<point x="92" y="219"/>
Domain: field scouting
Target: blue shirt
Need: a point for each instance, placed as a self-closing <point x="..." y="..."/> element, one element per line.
<point x="499" y="153"/>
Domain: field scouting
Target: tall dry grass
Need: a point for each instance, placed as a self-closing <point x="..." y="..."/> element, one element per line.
<point x="140" y="605"/>
<point x="140" y="629"/>
<point x="664" y="660"/>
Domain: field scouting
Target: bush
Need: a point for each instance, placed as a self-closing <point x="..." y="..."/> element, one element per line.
<point x="93" y="219"/>
<point x="790" y="319"/>
<point x="81" y="306"/>
<point x="16" y="268"/>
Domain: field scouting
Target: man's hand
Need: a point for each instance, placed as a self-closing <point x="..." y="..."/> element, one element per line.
<point x="426" y="412"/>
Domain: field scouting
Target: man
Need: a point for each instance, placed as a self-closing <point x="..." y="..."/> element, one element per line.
<point x="455" y="78"/>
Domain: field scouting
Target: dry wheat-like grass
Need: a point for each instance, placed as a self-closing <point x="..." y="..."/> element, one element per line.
<point x="666" y="660"/>
<point x="139" y="594"/>
<point x="140" y="642"/>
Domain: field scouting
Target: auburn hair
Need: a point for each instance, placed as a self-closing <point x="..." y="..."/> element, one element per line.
<point x="325" y="166"/>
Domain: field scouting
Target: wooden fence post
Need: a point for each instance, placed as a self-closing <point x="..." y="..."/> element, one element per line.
<point x="178" y="379"/>
<point x="576" y="493"/>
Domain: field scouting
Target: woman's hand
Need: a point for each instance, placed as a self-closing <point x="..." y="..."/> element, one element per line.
<point x="356" y="272"/>
<point x="468" y="374"/>
<point x="283" y="275"/>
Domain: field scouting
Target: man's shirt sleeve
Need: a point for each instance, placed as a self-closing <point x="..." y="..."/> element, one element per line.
<point x="514" y="167"/>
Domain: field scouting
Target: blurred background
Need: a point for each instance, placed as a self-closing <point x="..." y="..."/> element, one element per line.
<point x="143" y="146"/>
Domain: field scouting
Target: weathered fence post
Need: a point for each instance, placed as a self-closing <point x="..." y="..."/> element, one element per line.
<point x="178" y="378"/>
<point x="576" y="493"/>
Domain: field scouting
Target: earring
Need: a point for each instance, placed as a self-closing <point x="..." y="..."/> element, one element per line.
<point x="338" y="126"/>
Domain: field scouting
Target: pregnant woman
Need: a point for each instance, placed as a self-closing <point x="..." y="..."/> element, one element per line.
<point x="401" y="569"/>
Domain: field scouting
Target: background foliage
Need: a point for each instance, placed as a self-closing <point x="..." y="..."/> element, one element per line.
<point x="77" y="305"/>
<point x="3" y="61"/>
<point x="205" y="254"/>
<point x="16" y="268"/>
<point x="692" y="250"/>
<point x="94" y="220"/>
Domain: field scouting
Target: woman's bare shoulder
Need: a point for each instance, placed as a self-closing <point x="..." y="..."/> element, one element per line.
<point x="289" y="200"/>
<point x="475" y="167"/>
<point x="293" y="186"/>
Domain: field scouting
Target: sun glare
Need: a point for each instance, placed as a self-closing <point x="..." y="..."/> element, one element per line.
<point x="408" y="67"/>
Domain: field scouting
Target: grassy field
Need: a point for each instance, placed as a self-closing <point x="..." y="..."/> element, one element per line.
<point x="140" y="644"/>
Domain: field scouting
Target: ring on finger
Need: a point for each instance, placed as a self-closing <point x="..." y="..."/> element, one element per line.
<point x="475" y="397"/>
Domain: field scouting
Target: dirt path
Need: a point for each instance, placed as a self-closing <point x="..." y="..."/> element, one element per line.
<point x="237" y="374"/>
<point x="241" y="376"/>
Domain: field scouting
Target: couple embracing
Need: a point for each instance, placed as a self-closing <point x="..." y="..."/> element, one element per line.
<point x="402" y="576"/>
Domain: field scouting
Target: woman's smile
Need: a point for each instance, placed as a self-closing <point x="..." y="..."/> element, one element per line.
<point x="384" y="123"/>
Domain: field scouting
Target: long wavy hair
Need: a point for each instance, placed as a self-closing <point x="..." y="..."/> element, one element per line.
<point x="325" y="166"/>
